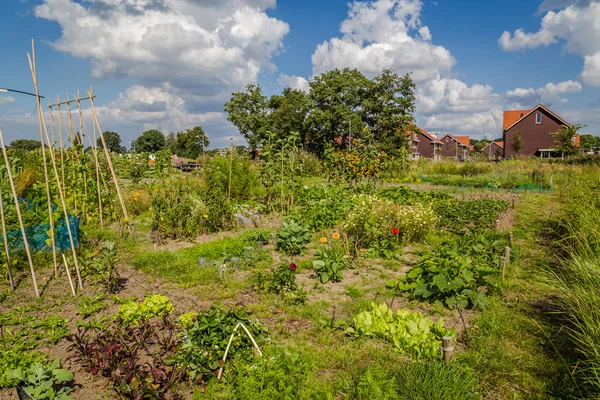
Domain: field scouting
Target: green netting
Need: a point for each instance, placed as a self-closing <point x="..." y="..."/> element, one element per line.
<point x="38" y="238"/>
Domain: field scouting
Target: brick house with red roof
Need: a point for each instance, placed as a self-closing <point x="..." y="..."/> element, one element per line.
<point x="493" y="150"/>
<point x="455" y="146"/>
<point x="429" y="145"/>
<point x="535" y="127"/>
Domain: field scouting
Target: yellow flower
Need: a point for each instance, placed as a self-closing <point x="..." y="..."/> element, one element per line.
<point x="323" y="240"/>
<point x="336" y="235"/>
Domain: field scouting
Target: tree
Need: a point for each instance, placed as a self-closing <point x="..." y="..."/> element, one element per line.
<point x="387" y="110"/>
<point x="190" y="143"/>
<point x="25" y="144"/>
<point x="588" y="141"/>
<point x="336" y="98"/>
<point x="113" y="142"/>
<point x="150" y="141"/>
<point x="170" y="143"/>
<point x="566" y="138"/>
<point x="288" y="113"/>
<point x="248" y="111"/>
<point x="516" y="143"/>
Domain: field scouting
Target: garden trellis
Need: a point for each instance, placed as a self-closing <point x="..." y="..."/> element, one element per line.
<point x="70" y="191"/>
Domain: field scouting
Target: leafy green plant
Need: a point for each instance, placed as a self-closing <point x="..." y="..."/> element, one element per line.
<point x="282" y="281"/>
<point x="330" y="260"/>
<point x="409" y="332"/>
<point x="16" y="357"/>
<point x="104" y="263"/>
<point x="204" y="342"/>
<point x="91" y="305"/>
<point x="40" y="381"/>
<point x="477" y="214"/>
<point x="152" y="306"/>
<point x="292" y="238"/>
<point x="448" y="275"/>
<point x="53" y="327"/>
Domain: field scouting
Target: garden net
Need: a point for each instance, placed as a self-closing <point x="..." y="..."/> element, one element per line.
<point x="38" y="238"/>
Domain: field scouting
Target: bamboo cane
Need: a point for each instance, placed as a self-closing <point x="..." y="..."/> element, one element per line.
<point x="61" y="144"/>
<point x="230" y="170"/>
<point x="14" y="193"/>
<point x="5" y="240"/>
<point x="62" y="122"/>
<point x="110" y="166"/>
<point x="45" y="162"/>
<point x="58" y="182"/>
<point x="73" y="139"/>
<point x="83" y="126"/>
<point x="69" y="274"/>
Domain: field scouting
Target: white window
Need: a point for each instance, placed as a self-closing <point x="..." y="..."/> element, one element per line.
<point x="538" y="118"/>
<point x="573" y="139"/>
<point x="447" y="139"/>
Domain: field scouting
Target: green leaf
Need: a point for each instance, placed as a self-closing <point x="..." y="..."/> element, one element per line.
<point x="62" y="375"/>
<point x="441" y="282"/>
<point x="422" y="290"/>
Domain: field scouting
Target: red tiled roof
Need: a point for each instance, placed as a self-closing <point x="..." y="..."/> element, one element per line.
<point x="430" y="137"/>
<point x="512" y="116"/>
<point x="463" y="139"/>
<point x="501" y="144"/>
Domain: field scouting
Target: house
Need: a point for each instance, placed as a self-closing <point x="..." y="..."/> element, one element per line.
<point x="429" y="145"/>
<point x="493" y="150"/>
<point x="535" y="127"/>
<point x="455" y="146"/>
<point x="413" y="141"/>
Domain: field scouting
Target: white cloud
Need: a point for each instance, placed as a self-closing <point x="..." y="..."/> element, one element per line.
<point x="188" y="56"/>
<point x="549" y="95"/>
<point x="382" y="34"/>
<point x="578" y="25"/>
<point x="6" y="99"/>
<point x="294" y="82"/>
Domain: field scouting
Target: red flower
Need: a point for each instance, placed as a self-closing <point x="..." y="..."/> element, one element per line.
<point x="293" y="267"/>
<point x="395" y="231"/>
<point x="94" y="370"/>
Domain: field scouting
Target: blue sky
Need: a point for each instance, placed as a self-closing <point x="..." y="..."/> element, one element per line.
<point x="171" y="64"/>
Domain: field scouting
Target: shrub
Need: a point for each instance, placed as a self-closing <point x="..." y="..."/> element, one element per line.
<point x="282" y="281"/>
<point x="292" y="238"/>
<point x="244" y="181"/>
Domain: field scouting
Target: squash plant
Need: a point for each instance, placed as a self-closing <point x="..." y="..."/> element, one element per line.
<point x="292" y="238"/>
<point x="39" y="381"/>
<point x="446" y="275"/>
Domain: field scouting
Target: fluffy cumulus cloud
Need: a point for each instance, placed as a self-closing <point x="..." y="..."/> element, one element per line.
<point x="549" y="95"/>
<point x="188" y="56"/>
<point x="578" y="25"/>
<point x="390" y="34"/>
<point x="294" y="82"/>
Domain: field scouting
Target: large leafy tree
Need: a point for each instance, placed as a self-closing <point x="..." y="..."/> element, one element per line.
<point x="387" y="109"/>
<point x="150" y="141"/>
<point x="336" y="98"/>
<point x="191" y="142"/>
<point x="113" y="142"/>
<point x="25" y="144"/>
<point x="248" y="112"/>
<point x="288" y="113"/>
<point x="565" y="138"/>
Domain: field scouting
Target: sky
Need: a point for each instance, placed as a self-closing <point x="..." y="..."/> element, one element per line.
<point x="171" y="64"/>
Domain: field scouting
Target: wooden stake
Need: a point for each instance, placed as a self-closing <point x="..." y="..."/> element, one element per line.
<point x="447" y="349"/>
<point x="256" y="348"/>
<point x="230" y="170"/>
<point x="18" y="208"/>
<point x="45" y="162"/>
<point x="62" y="146"/>
<point x="110" y="166"/>
<point x="5" y="240"/>
<point x="502" y="266"/>
<point x="95" y="152"/>
<point x="69" y="274"/>
<point x="57" y="177"/>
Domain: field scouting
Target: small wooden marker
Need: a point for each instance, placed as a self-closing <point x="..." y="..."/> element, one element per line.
<point x="447" y="349"/>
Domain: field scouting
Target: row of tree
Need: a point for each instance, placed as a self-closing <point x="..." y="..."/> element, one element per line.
<point x="341" y="106"/>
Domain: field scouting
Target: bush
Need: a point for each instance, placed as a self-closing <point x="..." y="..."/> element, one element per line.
<point x="292" y="238"/>
<point x="244" y="181"/>
<point x="282" y="281"/>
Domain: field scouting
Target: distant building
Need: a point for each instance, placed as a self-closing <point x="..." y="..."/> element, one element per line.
<point x="535" y="127"/>
<point x="429" y="145"/>
<point x="455" y="146"/>
<point x="493" y="150"/>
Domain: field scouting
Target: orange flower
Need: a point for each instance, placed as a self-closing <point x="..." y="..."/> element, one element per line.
<point x="323" y="239"/>
<point x="336" y="235"/>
